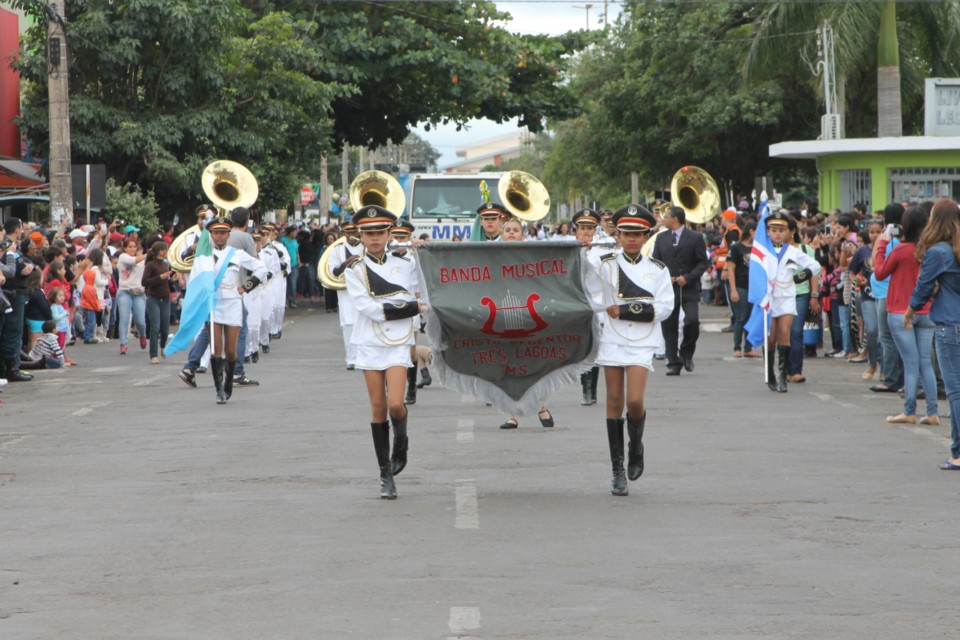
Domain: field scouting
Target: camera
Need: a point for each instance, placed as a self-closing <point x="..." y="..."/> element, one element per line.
<point x="893" y="230"/>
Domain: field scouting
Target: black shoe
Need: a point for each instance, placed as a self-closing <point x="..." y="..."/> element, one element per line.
<point x="244" y="381"/>
<point x="91" y="342"/>
<point x="228" y="379"/>
<point x="673" y="371"/>
<point x="246" y="359"/>
<point x="635" y="448"/>
<point x="771" y="370"/>
<point x="189" y="377"/>
<point x="411" y="395"/>
<point x="381" y="445"/>
<point x="783" y="356"/>
<point x="688" y="364"/>
<point x="398" y="460"/>
<point x="615" y="440"/>
<point x="727" y="329"/>
<point x="659" y="356"/>
<point x="594" y="376"/>
<point x="216" y="369"/>
<point x="255" y="358"/>
<point x="425" y="379"/>
<point x="585" y="387"/>
<point x="546" y="423"/>
<point x="510" y="424"/>
<point x="17" y="375"/>
<point x="201" y="369"/>
<point x="279" y="334"/>
<point x="265" y="348"/>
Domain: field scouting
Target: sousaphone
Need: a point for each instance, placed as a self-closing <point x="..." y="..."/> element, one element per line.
<point x="369" y="188"/>
<point x="228" y="185"/>
<point x="696" y="192"/>
<point x="524" y="196"/>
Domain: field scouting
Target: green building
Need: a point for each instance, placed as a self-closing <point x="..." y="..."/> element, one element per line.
<point x="877" y="171"/>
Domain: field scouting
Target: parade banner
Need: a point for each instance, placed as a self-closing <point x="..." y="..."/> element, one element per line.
<point x="508" y="322"/>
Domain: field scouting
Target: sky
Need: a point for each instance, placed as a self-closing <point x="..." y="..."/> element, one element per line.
<point x="529" y="16"/>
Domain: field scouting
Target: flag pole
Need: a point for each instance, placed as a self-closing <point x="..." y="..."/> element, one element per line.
<point x="766" y="347"/>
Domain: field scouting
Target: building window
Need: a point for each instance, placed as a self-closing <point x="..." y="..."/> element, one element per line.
<point x="855" y="186"/>
<point x="916" y="184"/>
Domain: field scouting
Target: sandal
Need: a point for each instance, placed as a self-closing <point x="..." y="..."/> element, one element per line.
<point x="931" y="420"/>
<point x="510" y="424"/>
<point x="546" y="422"/>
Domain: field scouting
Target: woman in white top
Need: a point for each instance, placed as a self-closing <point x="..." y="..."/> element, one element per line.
<point x="228" y="307"/>
<point x="384" y="288"/>
<point x="638" y="296"/>
<point x="130" y="293"/>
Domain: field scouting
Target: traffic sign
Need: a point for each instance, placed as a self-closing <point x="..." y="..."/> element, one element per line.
<point x="307" y="195"/>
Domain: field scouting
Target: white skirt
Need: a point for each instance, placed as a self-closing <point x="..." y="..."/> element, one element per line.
<point x="620" y="355"/>
<point x="374" y="358"/>
<point x="229" y="311"/>
<point x="783" y="306"/>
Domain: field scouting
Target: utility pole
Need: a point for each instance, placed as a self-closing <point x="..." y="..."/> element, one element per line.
<point x="58" y="96"/>
<point x="587" y="6"/>
<point x="634" y="187"/>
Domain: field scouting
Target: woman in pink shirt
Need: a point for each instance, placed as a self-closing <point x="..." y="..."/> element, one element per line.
<point x="915" y="343"/>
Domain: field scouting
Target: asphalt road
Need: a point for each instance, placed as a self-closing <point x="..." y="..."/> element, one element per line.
<point x="133" y="507"/>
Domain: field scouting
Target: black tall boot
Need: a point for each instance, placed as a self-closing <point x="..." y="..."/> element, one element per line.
<point x="381" y="444"/>
<point x="615" y="438"/>
<point x="585" y="386"/>
<point x="771" y="370"/>
<point x="594" y="376"/>
<point x="216" y="368"/>
<point x="400" y="444"/>
<point x="228" y="379"/>
<point x="425" y="379"/>
<point x="635" y="457"/>
<point x="783" y="354"/>
<point x="14" y="374"/>
<point x="411" y="396"/>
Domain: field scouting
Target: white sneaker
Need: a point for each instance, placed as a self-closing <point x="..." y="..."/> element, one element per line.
<point x="3" y="381"/>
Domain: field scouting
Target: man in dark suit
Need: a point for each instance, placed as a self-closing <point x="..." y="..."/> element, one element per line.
<point x="685" y="255"/>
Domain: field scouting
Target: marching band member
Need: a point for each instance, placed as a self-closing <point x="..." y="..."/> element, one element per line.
<point x="204" y="213"/>
<point x="268" y="295"/>
<point x="513" y="232"/>
<point x="344" y="256"/>
<point x="402" y="233"/>
<point x="793" y="266"/>
<point x="491" y="216"/>
<point x="253" y="302"/>
<point x="639" y="295"/>
<point x="228" y="308"/>
<point x="585" y="223"/>
<point x="280" y="302"/>
<point x="384" y="288"/>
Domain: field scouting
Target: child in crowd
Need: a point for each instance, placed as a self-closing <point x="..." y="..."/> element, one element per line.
<point x="61" y="315"/>
<point x="47" y="350"/>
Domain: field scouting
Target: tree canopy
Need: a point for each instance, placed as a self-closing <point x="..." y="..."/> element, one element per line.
<point x="161" y="87"/>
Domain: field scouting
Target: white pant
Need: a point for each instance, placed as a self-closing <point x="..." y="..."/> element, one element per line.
<point x="351" y="349"/>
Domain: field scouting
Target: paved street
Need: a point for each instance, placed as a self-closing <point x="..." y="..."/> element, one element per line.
<point x="133" y="507"/>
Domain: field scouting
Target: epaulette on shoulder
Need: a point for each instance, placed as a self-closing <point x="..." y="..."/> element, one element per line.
<point x="402" y="256"/>
<point x="657" y="262"/>
<point x="608" y="256"/>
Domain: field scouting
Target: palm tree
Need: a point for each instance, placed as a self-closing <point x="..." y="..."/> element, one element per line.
<point x="866" y="38"/>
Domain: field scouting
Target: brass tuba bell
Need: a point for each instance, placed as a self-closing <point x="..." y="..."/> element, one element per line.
<point x="523" y="195"/>
<point x="369" y="188"/>
<point x="693" y="189"/>
<point x="377" y="188"/>
<point x="228" y="185"/>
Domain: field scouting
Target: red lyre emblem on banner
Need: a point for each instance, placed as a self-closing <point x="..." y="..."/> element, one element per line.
<point x="512" y="319"/>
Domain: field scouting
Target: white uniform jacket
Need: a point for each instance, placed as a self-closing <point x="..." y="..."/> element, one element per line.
<point x="231" y="278"/>
<point x="344" y="250"/>
<point x="644" y="293"/>
<point x="384" y="295"/>
<point x="791" y="263"/>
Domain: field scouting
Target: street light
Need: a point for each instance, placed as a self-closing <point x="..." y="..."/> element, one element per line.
<point x="587" y="6"/>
